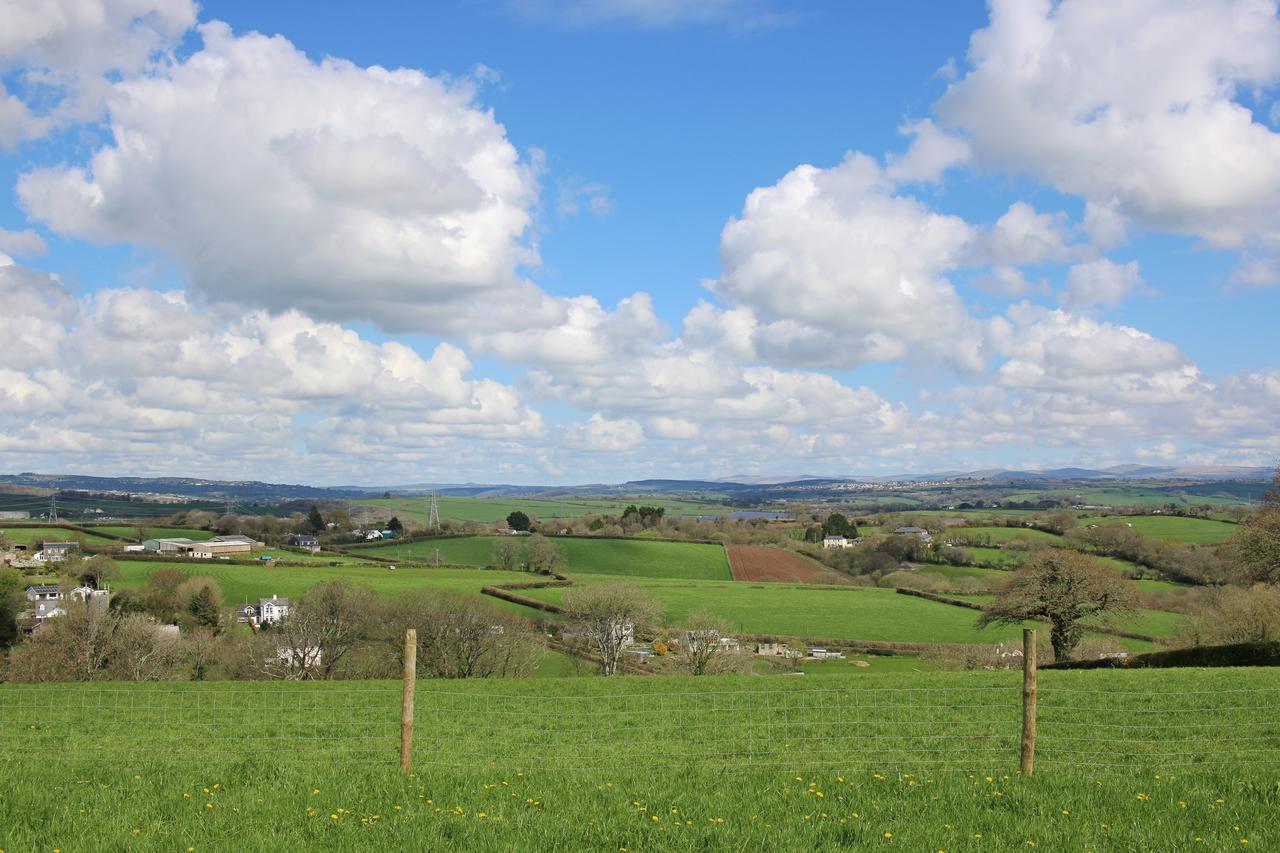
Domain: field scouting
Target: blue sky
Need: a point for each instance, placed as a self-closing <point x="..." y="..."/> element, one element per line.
<point x="586" y="240"/>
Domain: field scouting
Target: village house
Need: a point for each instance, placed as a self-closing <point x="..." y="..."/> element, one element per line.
<point x="247" y="613"/>
<point x="55" y="552"/>
<point x="836" y="542"/>
<point x="45" y="601"/>
<point x="272" y="610"/>
<point x="304" y="540"/>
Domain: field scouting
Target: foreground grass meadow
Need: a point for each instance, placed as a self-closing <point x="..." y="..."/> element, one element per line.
<point x="1167" y="760"/>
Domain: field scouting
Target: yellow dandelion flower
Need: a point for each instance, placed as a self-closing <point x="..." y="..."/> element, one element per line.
<point x="888" y="835"/>
<point x="208" y="805"/>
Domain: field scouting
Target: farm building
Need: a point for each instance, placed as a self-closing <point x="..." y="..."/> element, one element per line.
<point x="176" y="545"/>
<point x="218" y="546"/>
<point x="918" y="532"/>
<point x="15" y="515"/>
<point x="836" y="542"/>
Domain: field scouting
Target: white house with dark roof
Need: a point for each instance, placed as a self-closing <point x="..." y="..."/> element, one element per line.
<point x="272" y="610"/>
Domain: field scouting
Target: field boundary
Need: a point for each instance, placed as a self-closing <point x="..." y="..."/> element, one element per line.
<point x="63" y="525"/>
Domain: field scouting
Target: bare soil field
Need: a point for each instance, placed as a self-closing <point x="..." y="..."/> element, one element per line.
<point x="757" y="563"/>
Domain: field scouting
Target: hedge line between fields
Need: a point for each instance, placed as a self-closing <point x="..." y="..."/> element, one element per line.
<point x="63" y="525"/>
<point x="1236" y="654"/>
<point x="960" y="602"/>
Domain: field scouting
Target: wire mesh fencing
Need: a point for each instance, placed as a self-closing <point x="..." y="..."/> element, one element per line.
<point x="958" y="721"/>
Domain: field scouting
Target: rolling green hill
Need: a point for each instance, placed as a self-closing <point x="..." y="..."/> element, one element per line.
<point x="628" y="557"/>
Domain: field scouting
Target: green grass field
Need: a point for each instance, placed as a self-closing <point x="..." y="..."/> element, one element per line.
<point x="1202" y="531"/>
<point x="497" y="509"/>
<point x="249" y="583"/>
<point x="36" y="535"/>
<point x="914" y="761"/>
<point x="131" y="531"/>
<point x="852" y="613"/>
<point x="1004" y="534"/>
<point x="628" y="557"/>
<point x="1157" y="623"/>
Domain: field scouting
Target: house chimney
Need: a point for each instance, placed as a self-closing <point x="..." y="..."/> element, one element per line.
<point x="273" y="596"/>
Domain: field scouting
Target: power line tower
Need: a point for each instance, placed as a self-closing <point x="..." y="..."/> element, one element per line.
<point x="53" y="507"/>
<point x="230" y="508"/>
<point x="433" y="518"/>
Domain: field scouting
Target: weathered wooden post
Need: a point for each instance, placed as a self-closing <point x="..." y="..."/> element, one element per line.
<point x="406" y="711"/>
<point x="1028" y="700"/>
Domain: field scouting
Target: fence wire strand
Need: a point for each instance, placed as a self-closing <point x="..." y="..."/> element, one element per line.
<point x="632" y="727"/>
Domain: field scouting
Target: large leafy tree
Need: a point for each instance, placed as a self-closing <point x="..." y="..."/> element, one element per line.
<point x="1065" y="587"/>
<point x="518" y="521"/>
<point x="1258" y="542"/>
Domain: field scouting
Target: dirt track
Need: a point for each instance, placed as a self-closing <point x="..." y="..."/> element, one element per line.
<point x="758" y="563"/>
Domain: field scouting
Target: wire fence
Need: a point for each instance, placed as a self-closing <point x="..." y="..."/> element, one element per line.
<point x="636" y="724"/>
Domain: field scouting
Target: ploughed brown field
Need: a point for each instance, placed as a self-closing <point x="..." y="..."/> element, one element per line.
<point x="757" y="563"/>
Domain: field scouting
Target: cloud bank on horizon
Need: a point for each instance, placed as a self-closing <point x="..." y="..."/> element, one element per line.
<point x="359" y="290"/>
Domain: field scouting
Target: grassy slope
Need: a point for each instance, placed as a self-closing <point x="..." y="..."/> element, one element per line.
<point x="836" y="612"/>
<point x="36" y="535"/>
<point x="583" y="782"/>
<point x="1007" y="534"/>
<point x="1199" y="530"/>
<point x="249" y="583"/>
<point x="157" y="532"/>
<point x="631" y="557"/>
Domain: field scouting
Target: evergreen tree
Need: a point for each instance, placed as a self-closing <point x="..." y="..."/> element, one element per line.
<point x="203" y="608"/>
<point x="315" y="520"/>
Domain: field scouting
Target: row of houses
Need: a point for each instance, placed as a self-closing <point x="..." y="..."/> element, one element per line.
<point x="45" y="601"/>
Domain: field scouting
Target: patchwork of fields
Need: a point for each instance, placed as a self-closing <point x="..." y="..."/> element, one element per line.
<point x="497" y="509"/>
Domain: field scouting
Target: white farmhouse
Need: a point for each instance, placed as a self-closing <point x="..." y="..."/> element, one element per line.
<point x="272" y="610"/>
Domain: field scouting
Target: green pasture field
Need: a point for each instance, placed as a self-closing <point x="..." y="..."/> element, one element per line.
<point x="1202" y="531"/>
<point x="912" y="761"/>
<point x="1005" y="534"/>
<point x="131" y="531"/>
<point x="323" y="558"/>
<point x="497" y="509"/>
<point x="953" y="572"/>
<point x="630" y="557"/>
<point x="794" y="610"/>
<point x="250" y="583"/>
<point x="36" y="535"/>
<point x="995" y="556"/>
<point x="1013" y="559"/>
<point x="1157" y="623"/>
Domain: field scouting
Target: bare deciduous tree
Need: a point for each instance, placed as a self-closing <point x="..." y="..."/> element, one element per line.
<point x="462" y="638"/>
<point x="611" y="615"/>
<point x="701" y="652"/>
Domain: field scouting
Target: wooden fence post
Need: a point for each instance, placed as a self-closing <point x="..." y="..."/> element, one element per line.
<point x="1028" y="700"/>
<point x="406" y="711"/>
